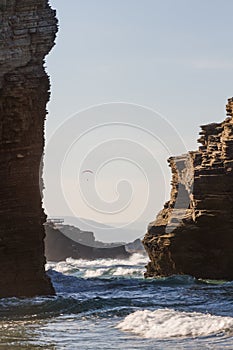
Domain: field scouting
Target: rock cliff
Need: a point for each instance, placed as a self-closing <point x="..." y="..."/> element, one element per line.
<point x="59" y="246"/>
<point x="193" y="234"/>
<point x="27" y="33"/>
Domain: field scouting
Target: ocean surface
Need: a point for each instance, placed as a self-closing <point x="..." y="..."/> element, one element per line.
<point x="107" y="304"/>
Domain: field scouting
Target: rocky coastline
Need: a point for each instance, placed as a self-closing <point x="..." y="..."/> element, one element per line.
<point x="69" y="242"/>
<point x="27" y="34"/>
<point x="193" y="233"/>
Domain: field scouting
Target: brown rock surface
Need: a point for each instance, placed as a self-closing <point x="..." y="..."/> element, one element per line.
<point x="27" y="33"/>
<point x="193" y="234"/>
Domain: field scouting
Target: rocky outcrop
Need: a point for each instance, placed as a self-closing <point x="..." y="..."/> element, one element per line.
<point x="27" y="34"/>
<point x="193" y="234"/>
<point x="59" y="246"/>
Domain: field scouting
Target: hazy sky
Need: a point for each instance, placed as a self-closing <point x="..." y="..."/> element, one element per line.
<point x="175" y="57"/>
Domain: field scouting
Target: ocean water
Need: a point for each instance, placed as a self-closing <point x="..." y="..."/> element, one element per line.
<point x="107" y="304"/>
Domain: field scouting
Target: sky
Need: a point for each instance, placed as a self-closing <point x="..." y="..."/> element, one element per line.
<point x="145" y="72"/>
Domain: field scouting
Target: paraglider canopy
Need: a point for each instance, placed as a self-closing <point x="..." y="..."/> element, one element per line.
<point x="87" y="171"/>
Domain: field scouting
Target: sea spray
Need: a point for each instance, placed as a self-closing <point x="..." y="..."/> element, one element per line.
<point x="168" y="323"/>
<point x="134" y="266"/>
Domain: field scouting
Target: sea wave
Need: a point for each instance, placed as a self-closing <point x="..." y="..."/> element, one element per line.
<point x="134" y="266"/>
<point x="168" y="323"/>
<point x="114" y="271"/>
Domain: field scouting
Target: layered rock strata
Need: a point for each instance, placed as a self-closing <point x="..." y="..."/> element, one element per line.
<point x="193" y="234"/>
<point x="27" y="33"/>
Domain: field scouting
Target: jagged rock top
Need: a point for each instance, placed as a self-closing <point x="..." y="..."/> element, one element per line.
<point x="27" y="33"/>
<point x="193" y="234"/>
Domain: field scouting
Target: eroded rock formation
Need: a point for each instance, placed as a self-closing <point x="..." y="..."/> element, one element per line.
<point x="27" y="33"/>
<point x="59" y="245"/>
<point x="193" y="234"/>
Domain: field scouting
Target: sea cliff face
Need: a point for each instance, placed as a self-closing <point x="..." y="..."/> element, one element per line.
<point x="27" y="33"/>
<point x="69" y="242"/>
<point x="193" y="234"/>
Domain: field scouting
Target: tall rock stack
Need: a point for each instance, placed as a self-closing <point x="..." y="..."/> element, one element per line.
<point x="27" y="34"/>
<point x="193" y="234"/>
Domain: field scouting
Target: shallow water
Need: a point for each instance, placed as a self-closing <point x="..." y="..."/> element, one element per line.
<point x="107" y="304"/>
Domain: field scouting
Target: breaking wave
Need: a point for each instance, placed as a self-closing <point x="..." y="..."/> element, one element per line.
<point x="118" y="271"/>
<point x="132" y="267"/>
<point x="168" y="323"/>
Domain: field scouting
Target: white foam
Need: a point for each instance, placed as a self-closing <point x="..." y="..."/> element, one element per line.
<point x="121" y="271"/>
<point x="70" y="264"/>
<point x="61" y="266"/>
<point x="94" y="273"/>
<point x="118" y="271"/>
<point x="167" y="323"/>
<point x="135" y="259"/>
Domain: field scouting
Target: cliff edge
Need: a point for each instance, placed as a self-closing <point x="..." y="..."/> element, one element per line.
<point x="193" y="234"/>
<point x="27" y="34"/>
